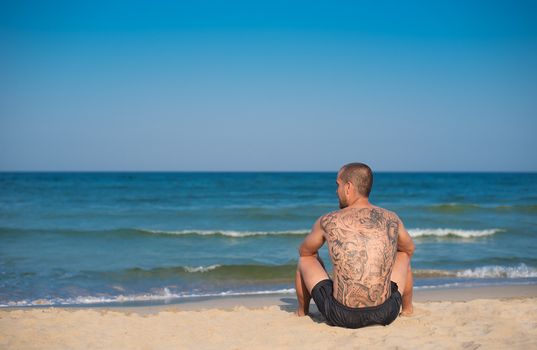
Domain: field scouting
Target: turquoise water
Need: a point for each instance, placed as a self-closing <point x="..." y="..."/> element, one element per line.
<point x="94" y="238"/>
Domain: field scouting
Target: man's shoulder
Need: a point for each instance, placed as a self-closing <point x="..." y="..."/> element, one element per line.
<point x="332" y="213"/>
<point x="388" y="215"/>
<point x="335" y="213"/>
<point x="384" y="210"/>
<point x="339" y="214"/>
<point x="328" y="217"/>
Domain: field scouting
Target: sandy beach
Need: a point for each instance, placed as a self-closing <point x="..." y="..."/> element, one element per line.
<point x="488" y="317"/>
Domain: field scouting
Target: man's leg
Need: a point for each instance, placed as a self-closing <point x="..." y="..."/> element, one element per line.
<point x="402" y="275"/>
<point x="408" y="308"/>
<point x="310" y="271"/>
<point x="302" y="295"/>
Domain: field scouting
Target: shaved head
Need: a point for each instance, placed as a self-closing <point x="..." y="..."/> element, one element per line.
<point x="360" y="175"/>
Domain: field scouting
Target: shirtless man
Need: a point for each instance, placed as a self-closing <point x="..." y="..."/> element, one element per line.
<point x="370" y="251"/>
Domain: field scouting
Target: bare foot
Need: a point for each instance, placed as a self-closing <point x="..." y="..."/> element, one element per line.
<point x="407" y="311"/>
<point x="300" y="313"/>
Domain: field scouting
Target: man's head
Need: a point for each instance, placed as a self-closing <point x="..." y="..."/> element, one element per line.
<point x="354" y="180"/>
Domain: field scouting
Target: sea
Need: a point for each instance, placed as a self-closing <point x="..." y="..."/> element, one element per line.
<point x="138" y="238"/>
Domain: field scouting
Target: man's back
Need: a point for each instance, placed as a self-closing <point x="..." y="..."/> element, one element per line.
<point x="370" y="250"/>
<point x="362" y="243"/>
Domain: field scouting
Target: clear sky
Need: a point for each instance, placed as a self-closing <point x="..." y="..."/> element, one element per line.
<point x="275" y="85"/>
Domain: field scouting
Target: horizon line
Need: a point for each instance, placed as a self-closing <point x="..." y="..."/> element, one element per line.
<point x="264" y="171"/>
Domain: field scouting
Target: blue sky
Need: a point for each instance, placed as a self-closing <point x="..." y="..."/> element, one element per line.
<point x="277" y="85"/>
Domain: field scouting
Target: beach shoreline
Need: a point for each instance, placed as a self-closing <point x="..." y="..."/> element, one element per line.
<point x="289" y="299"/>
<point x="492" y="317"/>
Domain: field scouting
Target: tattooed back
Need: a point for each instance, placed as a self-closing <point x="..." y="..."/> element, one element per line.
<point x="362" y="243"/>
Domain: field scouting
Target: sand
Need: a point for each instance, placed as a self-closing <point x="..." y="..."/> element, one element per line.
<point x="478" y="318"/>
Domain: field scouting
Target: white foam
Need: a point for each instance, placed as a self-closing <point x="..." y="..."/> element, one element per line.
<point x="440" y="286"/>
<point x="520" y="271"/>
<point x="201" y="268"/>
<point x="456" y="204"/>
<point x="444" y="232"/>
<point x="228" y="233"/>
<point x="483" y="283"/>
<point x="424" y="273"/>
<point x="163" y="296"/>
<point x="416" y="232"/>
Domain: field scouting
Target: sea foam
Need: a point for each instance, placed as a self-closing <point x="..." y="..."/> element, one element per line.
<point x="227" y="233"/>
<point x="201" y="268"/>
<point x="519" y="271"/>
<point x="489" y="271"/>
<point x="416" y="232"/>
<point x="164" y="295"/>
<point x="448" y="232"/>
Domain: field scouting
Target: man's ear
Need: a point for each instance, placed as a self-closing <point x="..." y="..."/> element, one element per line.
<point x="348" y="186"/>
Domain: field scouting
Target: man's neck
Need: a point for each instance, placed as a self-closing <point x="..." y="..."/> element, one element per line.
<point x="361" y="202"/>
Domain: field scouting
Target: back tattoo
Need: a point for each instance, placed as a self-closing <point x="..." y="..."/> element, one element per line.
<point x="362" y="243"/>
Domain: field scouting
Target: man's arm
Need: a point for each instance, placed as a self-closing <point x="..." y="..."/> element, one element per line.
<point x="404" y="241"/>
<point x="310" y="270"/>
<point x="313" y="241"/>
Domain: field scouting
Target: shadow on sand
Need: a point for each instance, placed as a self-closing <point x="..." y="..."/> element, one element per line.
<point x="290" y="305"/>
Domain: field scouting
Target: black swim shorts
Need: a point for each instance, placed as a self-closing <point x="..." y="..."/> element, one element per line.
<point x="337" y="314"/>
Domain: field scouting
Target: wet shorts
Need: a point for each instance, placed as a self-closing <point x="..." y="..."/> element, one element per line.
<point x="337" y="314"/>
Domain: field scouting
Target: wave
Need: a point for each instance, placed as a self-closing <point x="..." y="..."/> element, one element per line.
<point x="129" y="232"/>
<point x="456" y="278"/>
<point x="470" y="207"/>
<point x="432" y="273"/>
<point x="201" y="268"/>
<point x="258" y="274"/>
<point x="245" y="275"/>
<point x="418" y="232"/>
<point x="453" y="207"/>
<point x="474" y="284"/>
<point x="164" y="295"/>
<point x="523" y="208"/>
<point x="126" y="232"/>
<point x="452" y="233"/>
<point x="216" y="272"/>
<point x="491" y="271"/>
<point x="226" y="233"/>
<point x="520" y="271"/>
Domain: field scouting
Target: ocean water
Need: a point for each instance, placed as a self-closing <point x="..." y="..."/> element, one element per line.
<point x="129" y="238"/>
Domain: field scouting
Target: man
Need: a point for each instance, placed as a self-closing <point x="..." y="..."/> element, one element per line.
<point x="370" y="251"/>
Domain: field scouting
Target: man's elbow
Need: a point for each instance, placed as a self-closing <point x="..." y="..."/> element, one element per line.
<point x="407" y="249"/>
<point x="411" y="250"/>
<point x="302" y="251"/>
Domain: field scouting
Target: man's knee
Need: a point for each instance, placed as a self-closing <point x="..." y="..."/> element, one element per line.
<point x="321" y="261"/>
<point x="400" y="269"/>
<point x="303" y="263"/>
<point x="308" y="260"/>
<point x="311" y="271"/>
